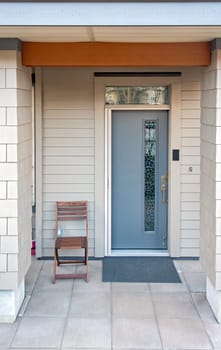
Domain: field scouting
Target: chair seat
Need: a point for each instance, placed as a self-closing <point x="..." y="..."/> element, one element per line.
<point x="66" y="214"/>
<point x="71" y="242"/>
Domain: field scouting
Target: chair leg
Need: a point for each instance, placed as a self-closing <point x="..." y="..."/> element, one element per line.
<point x="54" y="268"/>
<point x="57" y="257"/>
<point x="86" y="262"/>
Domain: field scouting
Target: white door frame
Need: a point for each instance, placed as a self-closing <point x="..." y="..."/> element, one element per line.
<point x="102" y="168"/>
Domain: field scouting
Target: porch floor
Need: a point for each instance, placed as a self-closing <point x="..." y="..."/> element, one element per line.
<point x="96" y="315"/>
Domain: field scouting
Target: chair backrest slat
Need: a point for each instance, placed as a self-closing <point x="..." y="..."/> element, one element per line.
<point x="72" y="211"/>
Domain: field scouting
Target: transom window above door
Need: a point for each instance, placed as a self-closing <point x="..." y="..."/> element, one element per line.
<point x="124" y="95"/>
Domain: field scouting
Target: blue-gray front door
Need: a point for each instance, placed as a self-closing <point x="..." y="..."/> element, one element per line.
<point x="139" y="180"/>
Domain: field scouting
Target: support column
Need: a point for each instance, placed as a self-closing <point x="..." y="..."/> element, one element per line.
<point x="210" y="239"/>
<point x="15" y="177"/>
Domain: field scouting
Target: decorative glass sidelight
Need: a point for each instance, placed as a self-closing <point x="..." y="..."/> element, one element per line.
<point x="150" y="128"/>
<point x="124" y="95"/>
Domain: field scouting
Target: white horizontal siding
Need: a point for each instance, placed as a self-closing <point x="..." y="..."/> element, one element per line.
<point x="69" y="142"/>
<point x="190" y="132"/>
<point x="68" y="148"/>
<point x="62" y="112"/>
<point x="68" y="151"/>
<point x="190" y="252"/>
<point x="190" y="234"/>
<point x="190" y="197"/>
<point x="191" y="151"/>
<point x="69" y="133"/>
<point x="68" y="169"/>
<point x="186" y="141"/>
<point x="185" y="169"/>
<point x="190" y="187"/>
<point x="190" y="168"/>
<point x="84" y="161"/>
<point x="190" y="113"/>
<point x="190" y="206"/>
<point x="68" y="188"/>
<point x="69" y="179"/>
<point x="73" y="123"/>
<point x="190" y="179"/>
<point x="190" y="160"/>
<point x="190" y="243"/>
<point x="190" y="215"/>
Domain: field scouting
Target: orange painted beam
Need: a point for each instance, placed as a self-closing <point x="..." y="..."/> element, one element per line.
<point x="103" y="54"/>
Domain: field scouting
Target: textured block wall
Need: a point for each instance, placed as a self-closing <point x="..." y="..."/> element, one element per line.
<point x="15" y="169"/>
<point x="210" y="251"/>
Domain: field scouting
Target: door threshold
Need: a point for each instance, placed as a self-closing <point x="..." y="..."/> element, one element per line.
<point x="139" y="252"/>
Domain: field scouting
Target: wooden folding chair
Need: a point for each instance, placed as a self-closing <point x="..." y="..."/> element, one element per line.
<point x="69" y="212"/>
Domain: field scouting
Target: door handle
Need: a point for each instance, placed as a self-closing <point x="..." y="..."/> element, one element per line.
<point x="163" y="192"/>
<point x="163" y="180"/>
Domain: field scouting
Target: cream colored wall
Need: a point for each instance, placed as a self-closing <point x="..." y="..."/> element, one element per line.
<point x="68" y="145"/>
<point x="190" y="162"/>
<point x="69" y="151"/>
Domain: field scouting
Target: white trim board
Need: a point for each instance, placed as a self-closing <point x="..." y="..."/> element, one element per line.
<point x="101" y="209"/>
<point x="39" y="178"/>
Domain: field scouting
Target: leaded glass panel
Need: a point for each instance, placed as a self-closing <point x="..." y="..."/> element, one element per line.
<point x="153" y="95"/>
<point x="149" y="174"/>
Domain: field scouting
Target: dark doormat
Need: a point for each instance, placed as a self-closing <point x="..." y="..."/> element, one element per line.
<point x="140" y="269"/>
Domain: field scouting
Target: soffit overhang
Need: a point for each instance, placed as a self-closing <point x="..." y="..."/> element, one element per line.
<point x="136" y="34"/>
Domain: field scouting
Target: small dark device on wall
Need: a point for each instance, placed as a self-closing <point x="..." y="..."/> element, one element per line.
<point x="175" y="154"/>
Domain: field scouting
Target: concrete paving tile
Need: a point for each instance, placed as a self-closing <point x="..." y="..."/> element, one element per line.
<point x="44" y="283"/>
<point x="134" y="325"/>
<point x="84" y="305"/>
<point x="49" y="304"/>
<point x="94" y="284"/>
<point x="47" y="268"/>
<point x="86" y="333"/>
<point x="32" y="275"/>
<point x="196" y="281"/>
<point x="190" y="265"/>
<point x="183" y="334"/>
<point x="95" y="265"/>
<point x="168" y="288"/>
<point x="174" y="305"/>
<point x="135" y="334"/>
<point x="39" y="332"/>
<point x="132" y="305"/>
<point x="130" y="287"/>
<point x="109" y="348"/>
<point x="214" y="332"/>
<point x="7" y="332"/>
<point x="177" y="265"/>
<point x="203" y="308"/>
